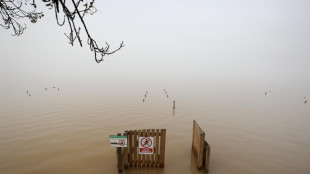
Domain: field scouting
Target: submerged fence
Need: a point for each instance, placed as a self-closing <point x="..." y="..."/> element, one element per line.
<point x="146" y="148"/>
<point x="129" y="156"/>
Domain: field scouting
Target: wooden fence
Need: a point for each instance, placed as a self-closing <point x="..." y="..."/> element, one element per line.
<point x="130" y="157"/>
<point x="200" y="147"/>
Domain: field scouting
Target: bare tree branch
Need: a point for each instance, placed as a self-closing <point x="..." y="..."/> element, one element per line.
<point x="11" y="12"/>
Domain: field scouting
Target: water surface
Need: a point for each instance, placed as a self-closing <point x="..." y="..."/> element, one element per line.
<point x="67" y="131"/>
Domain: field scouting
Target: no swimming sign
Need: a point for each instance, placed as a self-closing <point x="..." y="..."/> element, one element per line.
<point x="146" y="145"/>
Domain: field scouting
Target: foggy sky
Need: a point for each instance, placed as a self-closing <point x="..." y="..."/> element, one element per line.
<point x="260" y="42"/>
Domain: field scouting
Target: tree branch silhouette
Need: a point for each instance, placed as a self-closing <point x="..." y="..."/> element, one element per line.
<point x="13" y="11"/>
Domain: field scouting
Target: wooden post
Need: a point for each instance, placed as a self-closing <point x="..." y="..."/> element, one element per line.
<point x="173" y="104"/>
<point x="119" y="158"/>
<point x="126" y="152"/>
<point x="162" y="148"/>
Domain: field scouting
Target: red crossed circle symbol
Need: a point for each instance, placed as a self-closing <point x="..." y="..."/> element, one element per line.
<point x="146" y="142"/>
<point x="121" y="142"/>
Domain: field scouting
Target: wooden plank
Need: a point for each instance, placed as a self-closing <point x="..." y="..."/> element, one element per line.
<point x="130" y="148"/>
<point x="195" y="138"/>
<point x="162" y="148"/>
<point x="139" y="155"/>
<point x="157" y="148"/>
<point x="148" y="134"/>
<point x="135" y="147"/>
<point x="126" y="152"/>
<point x="143" y="156"/>
<point x="198" y="144"/>
<point x="152" y="156"/>
<point x="208" y="149"/>
<point x="201" y="149"/>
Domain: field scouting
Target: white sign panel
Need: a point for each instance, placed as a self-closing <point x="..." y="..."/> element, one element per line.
<point x="118" y="141"/>
<point x="146" y="145"/>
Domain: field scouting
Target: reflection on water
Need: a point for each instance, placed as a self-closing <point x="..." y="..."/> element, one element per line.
<point x="63" y="132"/>
<point x="144" y="171"/>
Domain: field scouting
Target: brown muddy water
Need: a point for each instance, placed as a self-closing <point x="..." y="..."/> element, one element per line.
<point x="68" y="132"/>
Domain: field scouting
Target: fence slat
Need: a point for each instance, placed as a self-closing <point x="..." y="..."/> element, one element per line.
<point x="130" y="148"/>
<point x="135" y="148"/>
<point x="148" y="134"/>
<point x="162" y="148"/>
<point x="139" y="155"/>
<point x="157" y="148"/>
<point x="152" y="156"/>
<point x="143" y="155"/>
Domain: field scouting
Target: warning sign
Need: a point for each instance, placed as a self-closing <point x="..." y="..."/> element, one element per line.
<point x="146" y="145"/>
<point x="118" y="141"/>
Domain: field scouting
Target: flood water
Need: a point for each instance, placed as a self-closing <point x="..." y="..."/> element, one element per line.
<point x="67" y="131"/>
<point x="216" y="59"/>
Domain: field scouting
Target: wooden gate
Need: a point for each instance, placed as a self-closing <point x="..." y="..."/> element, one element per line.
<point x="200" y="147"/>
<point x="130" y="156"/>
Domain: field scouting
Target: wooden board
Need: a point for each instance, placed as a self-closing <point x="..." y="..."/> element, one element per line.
<point x="162" y="148"/>
<point x="143" y="155"/>
<point x="135" y="150"/>
<point x="148" y="157"/>
<point x="200" y="147"/>
<point x="130" y="146"/>
<point x="139" y="155"/>
<point x="157" y="148"/>
<point x="152" y="156"/>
